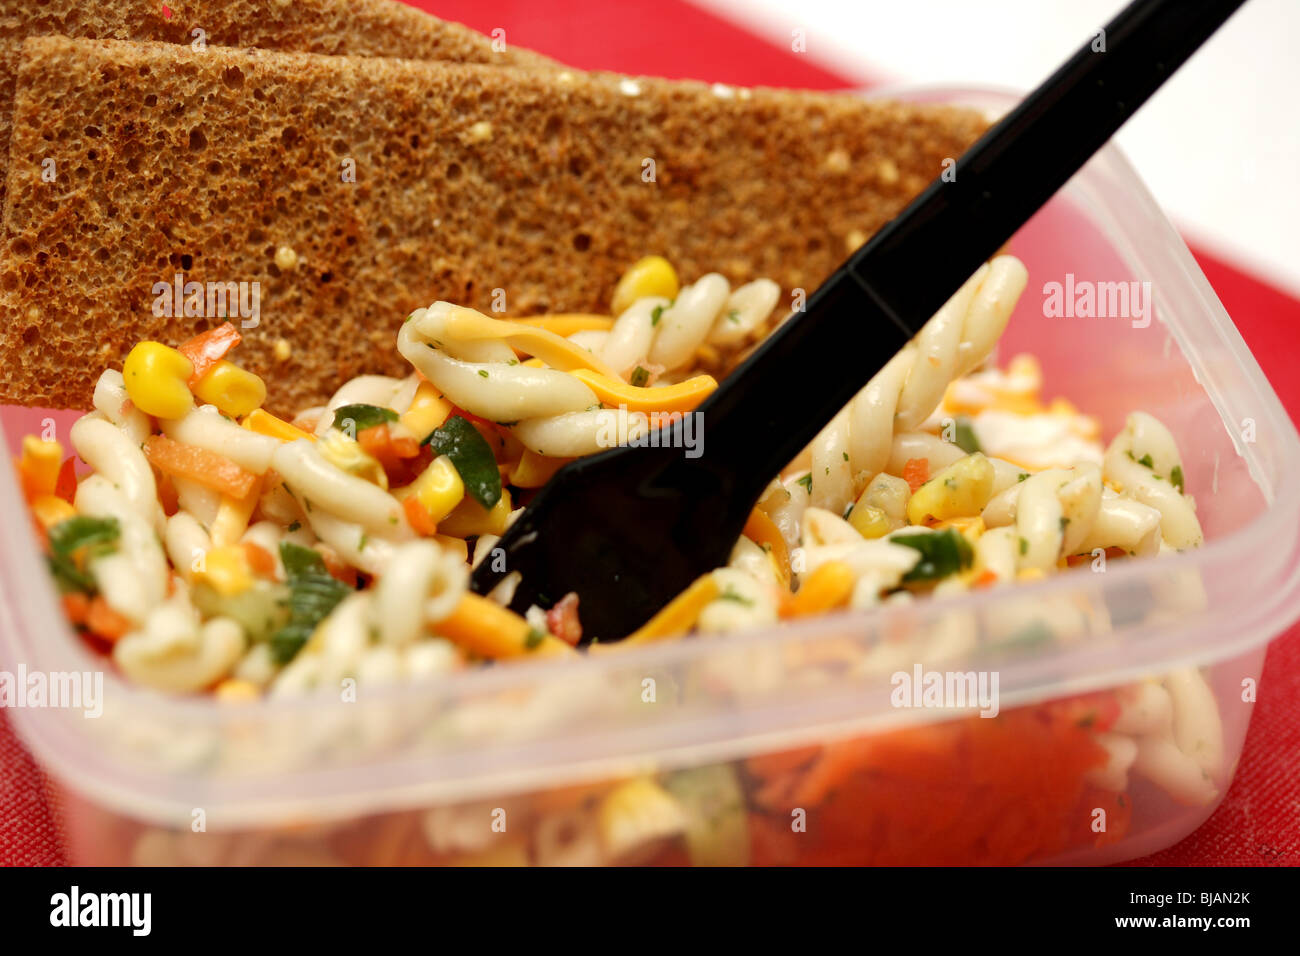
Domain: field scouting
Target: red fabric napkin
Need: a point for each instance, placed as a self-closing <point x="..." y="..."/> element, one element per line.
<point x="1256" y="824"/>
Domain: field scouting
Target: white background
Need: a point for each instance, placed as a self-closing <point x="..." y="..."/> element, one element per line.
<point x="1219" y="145"/>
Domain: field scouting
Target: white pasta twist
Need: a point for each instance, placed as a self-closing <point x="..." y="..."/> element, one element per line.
<point x="381" y="635"/>
<point x="1057" y="513"/>
<point x="661" y="336"/>
<point x="550" y="411"/>
<point x="1169" y="732"/>
<point x="1142" y="463"/>
<point x="112" y="401"/>
<point x="553" y="413"/>
<point x="878" y="564"/>
<point x="132" y="577"/>
<point x="856" y="445"/>
<point x="176" y="651"/>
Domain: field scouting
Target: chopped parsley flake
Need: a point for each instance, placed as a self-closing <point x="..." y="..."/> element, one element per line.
<point x="313" y="594"/>
<point x="806" y="481"/>
<point x="943" y="553"/>
<point x="73" y="542"/>
<point x="362" y="417"/>
<point x="731" y="595"/>
<point x="472" y="457"/>
<point x="964" y="436"/>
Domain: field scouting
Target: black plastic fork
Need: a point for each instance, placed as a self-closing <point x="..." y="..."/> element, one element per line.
<point x="630" y="528"/>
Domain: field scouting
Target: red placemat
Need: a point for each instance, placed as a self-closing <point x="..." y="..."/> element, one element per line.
<point x="1256" y="824"/>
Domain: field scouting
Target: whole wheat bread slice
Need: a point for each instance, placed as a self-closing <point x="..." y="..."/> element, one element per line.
<point x="337" y="27"/>
<point x="469" y="179"/>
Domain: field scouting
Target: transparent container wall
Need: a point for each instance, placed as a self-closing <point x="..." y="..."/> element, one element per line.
<point x="628" y="754"/>
<point x="1112" y="366"/>
<point x="970" y="791"/>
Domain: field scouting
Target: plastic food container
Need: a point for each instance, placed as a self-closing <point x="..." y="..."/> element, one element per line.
<point x="773" y="746"/>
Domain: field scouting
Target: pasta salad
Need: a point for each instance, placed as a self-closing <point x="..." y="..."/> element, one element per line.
<point x="214" y="547"/>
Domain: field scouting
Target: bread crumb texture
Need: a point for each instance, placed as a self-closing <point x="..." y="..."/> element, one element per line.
<point x="335" y="27"/>
<point x="377" y="174"/>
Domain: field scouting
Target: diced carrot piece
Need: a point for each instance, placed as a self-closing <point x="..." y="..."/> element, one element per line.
<point x="395" y="454"/>
<point x="337" y="569"/>
<point x="198" y="464"/>
<point x="75" y="607"/>
<point x="418" y="515"/>
<point x="208" y="348"/>
<point x="916" y="472"/>
<point x="65" y="486"/>
<point x="104" y="621"/>
<point x="260" y="561"/>
<point x="404" y="446"/>
<point x="167" y="496"/>
<point x="374" y="440"/>
<point x="986" y="579"/>
<point x="38" y="466"/>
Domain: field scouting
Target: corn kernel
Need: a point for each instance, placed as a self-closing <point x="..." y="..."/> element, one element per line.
<point x="1030" y="574"/>
<point x="428" y="410"/>
<point x="235" y="690"/>
<point x="50" y="510"/>
<point x="963" y="488"/>
<point x="347" y="455"/>
<point x="39" y="465"/>
<point x="225" y="570"/>
<point x="439" y="488"/>
<point x="471" y="518"/>
<point x="870" y="522"/>
<point x="534" y="470"/>
<point x="235" y="391"/>
<point x="264" y="423"/>
<point x="157" y="380"/>
<point x="653" y="275"/>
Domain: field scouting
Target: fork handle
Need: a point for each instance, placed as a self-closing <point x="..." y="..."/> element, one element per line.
<point x="777" y="401"/>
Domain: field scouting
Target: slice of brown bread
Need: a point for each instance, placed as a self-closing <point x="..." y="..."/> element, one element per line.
<point x="482" y="185"/>
<point x="351" y="27"/>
